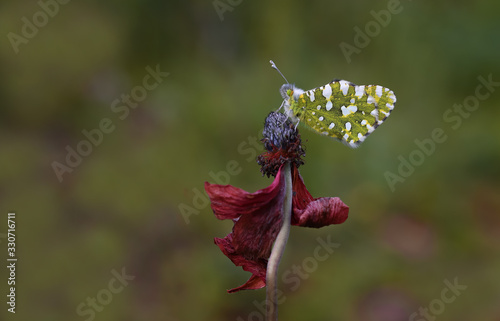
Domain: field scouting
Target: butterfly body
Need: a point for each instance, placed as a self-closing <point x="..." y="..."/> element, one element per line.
<point x="340" y="109"/>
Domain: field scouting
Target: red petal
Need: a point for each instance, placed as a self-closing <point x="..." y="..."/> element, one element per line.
<point x="256" y="267"/>
<point x="229" y="202"/>
<point x="253" y="283"/>
<point x="257" y="220"/>
<point x="301" y="196"/>
<point x="310" y="212"/>
<point x="257" y="215"/>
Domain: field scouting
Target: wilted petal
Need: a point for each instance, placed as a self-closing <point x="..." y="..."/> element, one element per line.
<point x="311" y="212"/>
<point x="257" y="215"/>
<point x="256" y="267"/>
<point x="257" y="220"/>
<point x="229" y="202"/>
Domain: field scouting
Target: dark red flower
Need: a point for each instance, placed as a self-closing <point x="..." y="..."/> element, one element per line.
<point x="257" y="216"/>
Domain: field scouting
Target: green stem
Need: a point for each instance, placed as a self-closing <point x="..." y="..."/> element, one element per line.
<point x="279" y="248"/>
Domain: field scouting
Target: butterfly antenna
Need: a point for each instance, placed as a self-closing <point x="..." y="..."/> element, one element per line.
<point x="273" y="65"/>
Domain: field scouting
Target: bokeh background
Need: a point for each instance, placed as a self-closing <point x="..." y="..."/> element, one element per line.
<point x="135" y="202"/>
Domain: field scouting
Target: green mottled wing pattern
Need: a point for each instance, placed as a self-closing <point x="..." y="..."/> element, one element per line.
<point x="343" y="110"/>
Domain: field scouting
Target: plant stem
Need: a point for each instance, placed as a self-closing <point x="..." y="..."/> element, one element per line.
<point x="279" y="248"/>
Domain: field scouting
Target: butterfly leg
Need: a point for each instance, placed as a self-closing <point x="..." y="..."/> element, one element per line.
<point x="282" y="104"/>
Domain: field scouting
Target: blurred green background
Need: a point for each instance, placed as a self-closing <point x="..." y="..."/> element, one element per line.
<point x="134" y="201"/>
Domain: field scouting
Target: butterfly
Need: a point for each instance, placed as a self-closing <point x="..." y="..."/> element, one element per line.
<point x="339" y="109"/>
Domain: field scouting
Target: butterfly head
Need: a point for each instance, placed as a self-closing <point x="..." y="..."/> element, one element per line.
<point x="288" y="91"/>
<point x="290" y="95"/>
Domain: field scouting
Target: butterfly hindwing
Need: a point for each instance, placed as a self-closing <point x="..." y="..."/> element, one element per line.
<point x="345" y="111"/>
